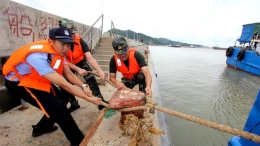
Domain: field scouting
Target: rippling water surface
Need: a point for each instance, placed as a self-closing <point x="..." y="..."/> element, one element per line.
<point x="197" y="82"/>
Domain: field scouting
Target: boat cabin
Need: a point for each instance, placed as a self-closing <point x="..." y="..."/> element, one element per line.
<point x="250" y="37"/>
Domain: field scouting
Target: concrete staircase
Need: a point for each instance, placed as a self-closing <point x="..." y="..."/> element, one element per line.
<point x="102" y="54"/>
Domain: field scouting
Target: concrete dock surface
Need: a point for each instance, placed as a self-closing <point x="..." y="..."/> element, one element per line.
<point x="16" y="125"/>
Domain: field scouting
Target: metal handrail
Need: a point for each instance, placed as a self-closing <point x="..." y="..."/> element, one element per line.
<point x="113" y="30"/>
<point x="90" y="32"/>
<point x="94" y="34"/>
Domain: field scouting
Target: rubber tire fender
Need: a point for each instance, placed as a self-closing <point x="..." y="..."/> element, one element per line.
<point x="229" y="51"/>
<point x="241" y="55"/>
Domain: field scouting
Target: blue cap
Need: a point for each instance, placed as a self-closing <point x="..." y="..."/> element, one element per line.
<point x="61" y="34"/>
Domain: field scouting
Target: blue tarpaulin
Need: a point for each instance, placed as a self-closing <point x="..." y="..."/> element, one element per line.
<point x="247" y="33"/>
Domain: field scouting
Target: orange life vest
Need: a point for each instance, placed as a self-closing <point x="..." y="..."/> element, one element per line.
<point x="33" y="80"/>
<point x="77" y="54"/>
<point x="134" y="67"/>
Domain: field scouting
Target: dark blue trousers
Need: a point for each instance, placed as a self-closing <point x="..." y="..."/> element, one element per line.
<point x="55" y="106"/>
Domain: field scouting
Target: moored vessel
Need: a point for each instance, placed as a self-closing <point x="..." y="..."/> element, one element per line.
<point x="246" y="56"/>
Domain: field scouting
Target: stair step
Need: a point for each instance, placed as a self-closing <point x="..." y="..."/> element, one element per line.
<point x="102" y="57"/>
<point x="104" y="52"/>
<point x="104" y="44"/>
<point x="103" y="62"/>
<point x="105" y="41"/>
<point x="104" y="47"/>
<point x="104" y="67"/>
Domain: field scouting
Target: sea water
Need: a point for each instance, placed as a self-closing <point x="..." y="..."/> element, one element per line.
<point x="197" y="82"/>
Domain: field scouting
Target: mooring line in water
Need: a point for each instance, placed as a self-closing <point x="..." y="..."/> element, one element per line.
<point x="151" y="106"/>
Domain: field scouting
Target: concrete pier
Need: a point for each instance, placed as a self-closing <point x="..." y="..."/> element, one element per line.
<point x="21" y="25"/>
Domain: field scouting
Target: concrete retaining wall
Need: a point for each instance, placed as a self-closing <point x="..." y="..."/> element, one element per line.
<point x="166" y="139"/>
<point x="21" y="25"/>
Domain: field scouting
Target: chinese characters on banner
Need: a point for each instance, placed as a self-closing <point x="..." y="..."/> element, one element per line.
<point x="22" y="25"/>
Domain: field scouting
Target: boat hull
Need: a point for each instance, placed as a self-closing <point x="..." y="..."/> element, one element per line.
<point x="250" y="63"/>
<point x="252" y="125"/>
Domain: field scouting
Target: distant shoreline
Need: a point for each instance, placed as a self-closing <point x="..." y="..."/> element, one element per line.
<point x="181" y="46"/>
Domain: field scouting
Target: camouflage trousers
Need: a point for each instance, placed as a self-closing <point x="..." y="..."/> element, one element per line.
<point x="90" y="80"/>
<point x="138" y="79"/>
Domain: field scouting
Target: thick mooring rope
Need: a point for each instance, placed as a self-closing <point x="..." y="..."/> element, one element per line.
<point x="151" y="106"/>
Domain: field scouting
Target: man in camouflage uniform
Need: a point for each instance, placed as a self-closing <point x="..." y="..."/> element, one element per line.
<point x="132" y="65"/>
<point x="86" y="57"/>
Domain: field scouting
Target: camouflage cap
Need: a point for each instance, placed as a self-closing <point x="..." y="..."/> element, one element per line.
<point x="73" y="29"/>
<point x="120" y="46"/>
<point x="67" y="24"/>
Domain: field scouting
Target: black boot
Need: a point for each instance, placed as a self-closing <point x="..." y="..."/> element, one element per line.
<point x="142" y="88"/>
<point x="37" y="131"/>
<point x="100" y="107"/>
<point x="74" y="105"/>
<point x="93" y="86"/>
<point x="140" y="79"/>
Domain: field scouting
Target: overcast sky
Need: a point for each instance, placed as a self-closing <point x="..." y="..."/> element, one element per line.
<point x="206" y="22"/>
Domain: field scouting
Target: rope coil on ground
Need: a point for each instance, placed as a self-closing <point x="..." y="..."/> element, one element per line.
<point x="151" y="107"/>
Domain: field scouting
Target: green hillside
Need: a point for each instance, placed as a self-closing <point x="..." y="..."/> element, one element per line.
<point x="150" y="40"/>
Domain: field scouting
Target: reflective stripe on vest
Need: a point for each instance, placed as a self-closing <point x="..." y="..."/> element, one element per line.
<point x="33" y="80"/>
